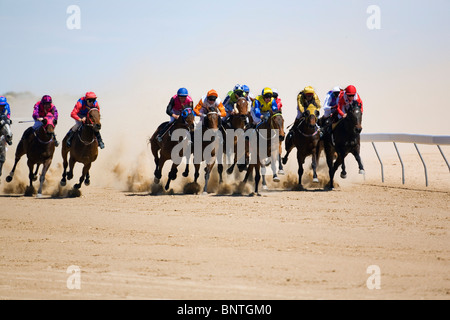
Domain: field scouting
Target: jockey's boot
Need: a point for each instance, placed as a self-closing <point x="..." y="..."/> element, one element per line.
<point x="56" y="141"/>
<point x="163" y="131"/>
<point x="101" y="145"/>
<point x="70" y="135"/>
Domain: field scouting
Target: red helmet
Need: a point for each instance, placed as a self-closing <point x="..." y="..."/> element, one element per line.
<point x="350" y="90"/>
<point x="46" y="99"/>
<point x="91" y="95"/>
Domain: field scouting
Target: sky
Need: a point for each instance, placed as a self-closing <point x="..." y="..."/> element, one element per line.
<point x="136" y="54"/>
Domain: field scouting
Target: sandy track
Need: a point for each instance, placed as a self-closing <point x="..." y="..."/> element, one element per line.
<point x="282" y="245"/>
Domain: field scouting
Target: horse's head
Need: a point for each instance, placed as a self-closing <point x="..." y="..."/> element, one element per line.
<point x="93" y="119"/>
<point x="48" y="125"/>
<point x="277" y="123"/>
<point x="354" y="115"/>
<point x="242" y="106"/>
<point x="212" y="118"/>
<point x="311" y="116"/>
<point x="5" y="129"/>
<point x="187" y="118"/>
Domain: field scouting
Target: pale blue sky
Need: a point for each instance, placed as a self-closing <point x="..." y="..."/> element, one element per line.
<point x="158" y="46"/>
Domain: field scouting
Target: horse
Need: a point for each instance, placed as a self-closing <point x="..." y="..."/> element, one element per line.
<point x="265" y="146"/>
<point x="83" y="149"/>
<point x="39" y="148"/>
<point x="211" y="122"/>
<point x="344" y="139"/>
<point x="239" y="120"/>
<point x="6" y="137"/>
<point x="305" y="138"/>
<point x="162" y="151"/>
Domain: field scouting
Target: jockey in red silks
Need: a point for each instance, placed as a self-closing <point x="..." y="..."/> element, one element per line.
<point x="80" y="113"/>
<point x="345" y="99"/>
<point x="176" y="105"/>
<point x="42" y="109"/>
<point x="277" y="100"/>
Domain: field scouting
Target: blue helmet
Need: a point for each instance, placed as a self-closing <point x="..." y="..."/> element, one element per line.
<point x="3" y="101"/>
<point x="238" y="87"/>
<point x="246" y="88"/>
<point x="182" y="92"/>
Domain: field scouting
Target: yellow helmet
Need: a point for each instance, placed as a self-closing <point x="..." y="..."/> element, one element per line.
<point x="267" y="91"/>
<point x="309" y="89"/>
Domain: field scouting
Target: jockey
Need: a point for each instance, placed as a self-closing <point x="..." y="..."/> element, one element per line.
<point x="305" y="100"/>
<point x="42" y="109"/>
<point x="262" y="106"/>
<point x="209" y="101"/>
<point x="79" y="114"/>
<point x="176" y="105"/>
<point x="247" y="94"/>
<point x="277" y="99"/>
<point x="4" y="107"/>
<point x="330" y="106"/>
<point x="231" y="99"/>
<point x="346" y="98"/>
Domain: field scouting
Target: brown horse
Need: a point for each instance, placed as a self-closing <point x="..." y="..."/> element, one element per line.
<point x="344" y="139"/>
<point x="162" y="151"/>
<point x="212" y="142"/>
<point x="39" y="148"/>
<point x="305" y="138"/>
<point x="83" y="149"/>
<point x="264" y="144"/>
<point x="238" y="121"/>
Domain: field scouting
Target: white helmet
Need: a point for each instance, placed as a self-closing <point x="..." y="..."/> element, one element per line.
<point x="337" y="89"/>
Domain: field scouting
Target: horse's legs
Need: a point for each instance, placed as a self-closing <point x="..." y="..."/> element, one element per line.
<point x="208" y="170"/>
<point x="197" y="172"/>
<point x="42" y="177"/>
<point x="85" y="172"/>
<point x="219" y="170"/>
<point x="273" y="165"/>
<point x="263" y="174"/>
<point x="358" y="159"/>
<point x="257" y="178"/>
<point x="300" y="161"/>
<point x="339" y="161"/>
<point x="36" y="172"/>
<point x="71" y="166"/>
<point x="159" y="168"/>
<point x="30" y="190"/>
<point x="20" y="151"/>
<point x="289" y="145"/>
<point x="314" y="166"/>
<point x="343" y="172"/>
<point x="64" y="153"/>
<point x="186" y="170"/>
<point x="172" y="175"/>
<point x="280" y="163"/>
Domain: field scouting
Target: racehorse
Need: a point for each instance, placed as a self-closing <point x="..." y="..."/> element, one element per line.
<point x="83" y="149"/>
<point x="39" y="148"/>
<point x="305" y="138"/>
<point x="344" y="139"/>
<point x="266" y="145"/>
<point x="210" y="124"/>
<point x="239" y="120"/>
<point x="5" y="138"/>
<point x="162" y="151"/>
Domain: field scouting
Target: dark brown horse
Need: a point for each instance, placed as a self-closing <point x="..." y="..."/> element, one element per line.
<point x="263" y="145"/>
<point x="305" y="138"/>
<point x="39" y="146"/>
<point x="162" y="151"/>
<point x="344" y="139"/>
<point x="211" y="139"/>
<point x="83" y="149"/>
<point x="239" y="120"/>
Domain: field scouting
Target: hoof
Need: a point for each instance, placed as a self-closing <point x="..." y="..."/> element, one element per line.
<point x="35" y="178"/>
<point x="156" y="181"/>
<point x="9" y="179"/>
<point x="185" y="174"/>
<point x="205" y="193"/>
<point x="276" y="179"/>
<point x="343" y="175"/>
<point x="284" y="160"/>
<point x="87" y="182"/>
<point x="69" y="176"/>
<point x="62" y="183"/>
<point x="281" y="172"/>
<point x="39" y="195"/>
<point x="362" y="172"/>
<point x="265" y="187"/>
<point x="77" y="186"/>
<point x="315" y="180"/>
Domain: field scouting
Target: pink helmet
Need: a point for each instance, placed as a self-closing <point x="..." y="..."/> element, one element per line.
<point x="46" y="99"/>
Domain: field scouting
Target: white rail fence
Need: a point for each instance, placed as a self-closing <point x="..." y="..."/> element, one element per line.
<point x="406" y="138"/>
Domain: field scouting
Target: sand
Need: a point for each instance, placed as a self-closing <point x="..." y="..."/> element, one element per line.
<point x="283" y="245"/>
